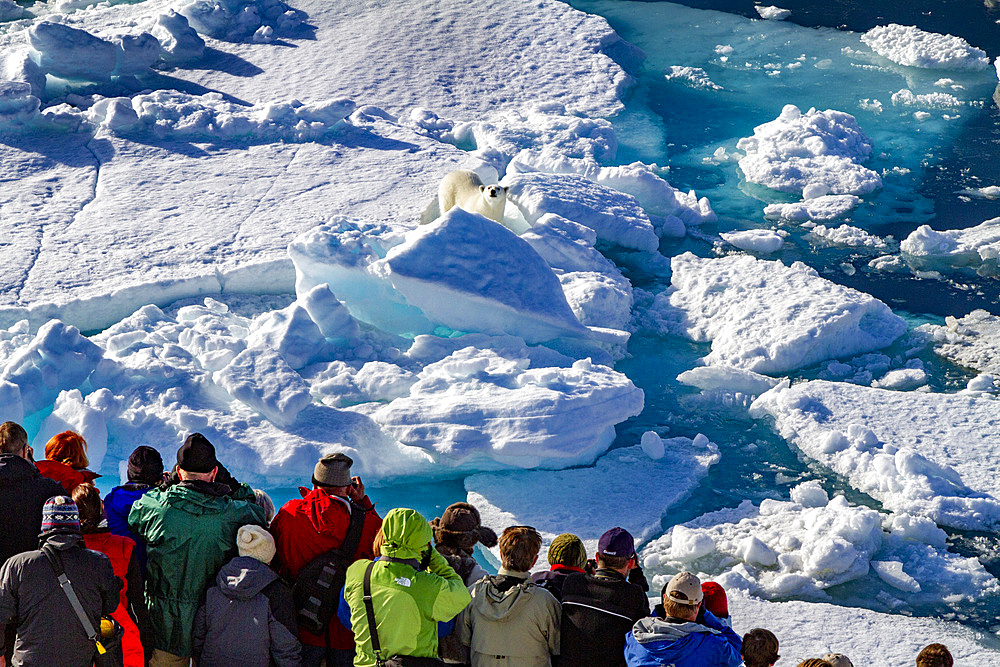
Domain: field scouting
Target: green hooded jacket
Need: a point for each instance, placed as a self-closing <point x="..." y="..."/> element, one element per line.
<point x="190" y="533"/>
<point x="408" y="602"/>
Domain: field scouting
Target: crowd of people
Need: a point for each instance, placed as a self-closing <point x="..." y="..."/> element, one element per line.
<point x="190" y="564"/>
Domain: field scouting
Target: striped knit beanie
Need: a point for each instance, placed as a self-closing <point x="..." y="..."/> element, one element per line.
<point x="60" y="515"/>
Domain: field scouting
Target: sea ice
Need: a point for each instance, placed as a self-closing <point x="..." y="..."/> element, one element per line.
<point x="615" y="216"/>
<point x="800" y="547"/>
<point x="911" y="46"/>
<point x="696" y="77"/>
<point x="937" y="463"/>
<point x="972" y="341"/>
<point x="179" y="42"/>
<point x="261" y="378"/>
<point x="798" y="150"/>
<point x="847" y="235"/>
<point x="902" y="379"/>
<point x="821" y="209"/>
<point x="236" y="20"/>
<point x="772" y="13"/>
<point x="770" y="318"/>
<point x="71" y="52"/>
<point x="563" y="501"/>
<point x="762" y="241"/>
<point x="975" y="247"/>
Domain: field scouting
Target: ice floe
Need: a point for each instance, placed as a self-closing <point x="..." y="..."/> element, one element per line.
<point x="821" y="209"/>
<point x="816" y="148"/>
<point x="847" y="235"/>
<point x="762" y="241"/>
<point x="938" y="462"/>
<point x="770" y="318"/>
<point x="661" y="471"/>
<point x="911" y="46"/>
<point x="977" y="248"/>
<point x="696" y="77"/>
<point x="802" y="546"/>
<point x="772" y="13"/>
<point x="972" y="341"/>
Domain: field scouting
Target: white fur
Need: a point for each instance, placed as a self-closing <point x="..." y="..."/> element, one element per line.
<point x="464" y="188"/>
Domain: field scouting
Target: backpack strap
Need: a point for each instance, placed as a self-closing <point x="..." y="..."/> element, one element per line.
<point x="67" y="587"/>
<point x="352" y="540"/>
<point x="370" y="613"/>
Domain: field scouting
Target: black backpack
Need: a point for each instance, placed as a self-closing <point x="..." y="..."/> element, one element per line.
<point x="316" y="592"/>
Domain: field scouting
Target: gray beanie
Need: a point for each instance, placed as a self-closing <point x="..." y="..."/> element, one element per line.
<point x="333" y="470"/>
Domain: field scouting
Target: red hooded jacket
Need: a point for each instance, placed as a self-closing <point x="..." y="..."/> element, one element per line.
<point x="66" y="475"/>
<point x="307" y="527"/>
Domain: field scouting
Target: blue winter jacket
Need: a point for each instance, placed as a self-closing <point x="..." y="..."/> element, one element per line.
<point x="117" y="504"/>
<point x="655" y="642"/>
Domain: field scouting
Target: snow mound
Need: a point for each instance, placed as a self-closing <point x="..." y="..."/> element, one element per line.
<point x="179" y="42"/>
<point x="972" y="341"/>
<point x="937" y="463"/>
<point x="18" y="106"/>
<point x="11" y="11"/>
<point x="70" y="52"/>
<point x="615" y="216"/>
<point x="913" y="47"/>
<point x="469" y="273"/>
<point x="562" y="501"/>
<point x="262" y="379"/>
<point x="481" y="409"/>
<point x="695" y="77"/>
<point x="902" y="379"/>
<point x="770" y="318"/>
<point x="792" y="548"/>
<point x="809" y="629"/>
<point x="755" y="240"/>
<point x="798" y="150"/>
<point x="773" y="13"/>
<point x="237" y="20"/>
<point x="821" y="209"/>
<point x="975" y="247"/>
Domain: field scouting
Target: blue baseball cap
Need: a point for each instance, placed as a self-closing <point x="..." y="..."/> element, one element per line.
<point x="616" y="542"/>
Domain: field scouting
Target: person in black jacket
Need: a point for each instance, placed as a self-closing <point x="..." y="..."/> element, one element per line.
<point x="23" y="491"/>
<point x="599" y="609"/>
<point x="49" y="632"/>
<point x="248" y="617"/>
<point x="567" y="556"/>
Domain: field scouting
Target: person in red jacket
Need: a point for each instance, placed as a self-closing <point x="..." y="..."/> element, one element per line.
<point x="66" y="461"/>
<point x="131" y="612"/>
<point x="312" y="525"/>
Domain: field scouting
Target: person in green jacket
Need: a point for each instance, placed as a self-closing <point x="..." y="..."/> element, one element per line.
<point x="408" y="599"/>
<point x="190" y="532"/>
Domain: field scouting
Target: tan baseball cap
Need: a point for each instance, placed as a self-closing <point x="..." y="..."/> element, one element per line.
<point x="684" y="588"/>
<point x="838" y="660"/>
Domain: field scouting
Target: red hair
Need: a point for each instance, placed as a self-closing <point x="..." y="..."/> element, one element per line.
<point x="69" y="448"/>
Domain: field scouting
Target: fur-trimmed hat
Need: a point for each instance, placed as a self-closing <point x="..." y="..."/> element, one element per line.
<point x="460" y="527"/>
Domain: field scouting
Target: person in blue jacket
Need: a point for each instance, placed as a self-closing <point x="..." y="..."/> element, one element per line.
<point x="145" y="472"/>
<point x="685" y="634"/>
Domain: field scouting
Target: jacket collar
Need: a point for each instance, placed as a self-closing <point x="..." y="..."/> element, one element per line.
<point x="513" y="574"/>
<point x="608" y="573"/>
<point x="208" y="488"/>
<point x="566" y="568"/>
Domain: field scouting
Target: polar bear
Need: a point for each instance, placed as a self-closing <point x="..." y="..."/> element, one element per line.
<point x="464" y="188"/>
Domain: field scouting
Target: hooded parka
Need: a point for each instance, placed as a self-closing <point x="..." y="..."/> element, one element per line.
<point x="237" y="624"/>
<point x="510" y="621"/>
<point x="190" y="532"/>
<point x="23" y="491"/>
<point x="408" y="602"/>
<point x="670" y="641"/>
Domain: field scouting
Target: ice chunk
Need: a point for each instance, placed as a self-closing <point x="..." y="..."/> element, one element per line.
<point x="291" y="333"/>
<point x="783" y="548"/>
<point x="694" y="77"/>
<point x="11" y="11"/>
<point x="57" y="359"/>
<point x="906" y="98"/>
<point x="652" y="445"/>
<point x="755" y="240"/>
<point x="810" y="494"/>
<point x="262" y="379"/>
<point x="558" y="502"/>
<point x="767" y="317"/>
<point x="18" y="106"/>
<point x="615" y="216"/>
<point x="773" y="13"/>
<point x="911" y="46"/>
<point x="823" y="208"/>
<point x="818" y="147"/>
<point x="236" y="20"/>
<point x="179" y="42"/>
<point x="975" y="247"/>
<point x="135" y="53"/>
<point x="477" y="408"/>
<point x="936" y="463"/>
<point x="726" y="378"/>
<point x="902" y="379"/>
<point x="469" y="273"/>
<point x="847" y="235"/>
<point x="329" y="314"/>
<point x="972" y="341"/>
<point x="70" y="52"/>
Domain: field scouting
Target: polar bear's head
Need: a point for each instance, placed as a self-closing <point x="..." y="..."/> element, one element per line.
<point x="493" y="194"/>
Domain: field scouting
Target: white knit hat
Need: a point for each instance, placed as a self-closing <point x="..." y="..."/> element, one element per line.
<point x="255" y="542"/>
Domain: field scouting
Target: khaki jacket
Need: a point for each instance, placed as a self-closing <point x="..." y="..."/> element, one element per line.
<point x="510" y="621"/>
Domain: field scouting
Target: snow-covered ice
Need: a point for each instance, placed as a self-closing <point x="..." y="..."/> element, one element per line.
<point x="815" y="148"/>
<point x="696" y="77"/>
<point x="972" y="341"/>
<point x="820" y="209"/>
<point x="847" y="235"/>
<point x="911" y="46"/>
<point x="976" y="247"/>
<point x="938" y="462"/>
<point x="773" y="13"/>
<point x="762" y="241"/>
<point x="770" y="318"/>
<point x="800" y="547"/>
<point x="661" y="472"/>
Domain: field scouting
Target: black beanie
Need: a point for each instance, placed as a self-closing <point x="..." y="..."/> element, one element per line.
<point x="196" y="454"/>
<point x="145" y="466"/>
